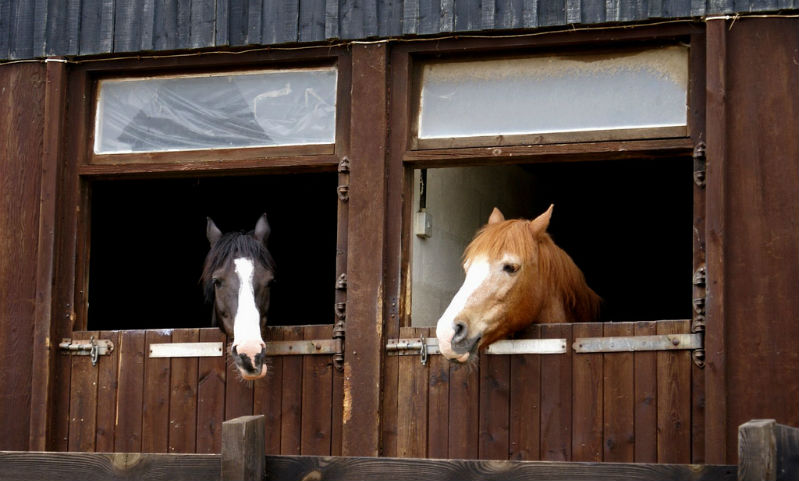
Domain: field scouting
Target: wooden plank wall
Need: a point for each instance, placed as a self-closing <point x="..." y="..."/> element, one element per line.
<point x="22" y="96"/>
<point x="621" y="407"/>
<point x="132" y="403"/>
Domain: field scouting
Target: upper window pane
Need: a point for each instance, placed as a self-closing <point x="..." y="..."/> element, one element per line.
<point x="545" y="94"/>
<point x="249" y="109"/>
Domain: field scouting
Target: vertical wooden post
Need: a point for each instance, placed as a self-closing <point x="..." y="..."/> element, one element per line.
<point x="243" y="457"/>
<point x="43" y="346"/>
<point x="767" y="451"/>
<point x="363" y="360"/>
<point x="715" y="226"/>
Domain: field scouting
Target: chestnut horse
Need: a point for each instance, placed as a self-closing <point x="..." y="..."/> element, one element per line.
<point x="236" y="276"/>
<point x="515" y="276"/>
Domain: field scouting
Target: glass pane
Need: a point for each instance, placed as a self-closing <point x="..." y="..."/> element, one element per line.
<point x="547" y="94"/>
<point x="252" y="109"/>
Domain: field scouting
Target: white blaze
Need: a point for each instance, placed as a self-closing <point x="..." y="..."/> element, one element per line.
<point x="476" y="274"/>
<point x="247" y="325"/>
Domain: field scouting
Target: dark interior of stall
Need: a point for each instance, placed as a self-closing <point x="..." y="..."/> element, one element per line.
<point x="148" y="245"/>
<point x="628" y="224"/>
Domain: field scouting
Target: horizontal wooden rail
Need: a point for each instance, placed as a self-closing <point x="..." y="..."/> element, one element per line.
<point x="408" y="469"/>
<point x="767" y="451"/>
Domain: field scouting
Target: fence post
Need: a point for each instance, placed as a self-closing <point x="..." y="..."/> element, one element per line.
<point x="243" y="442"/>
<point x="767" y="451"/>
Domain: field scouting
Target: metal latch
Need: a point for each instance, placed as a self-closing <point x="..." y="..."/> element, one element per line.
<point x="93" y="347"/>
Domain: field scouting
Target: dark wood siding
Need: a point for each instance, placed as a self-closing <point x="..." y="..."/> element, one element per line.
<point x="612" y="407"/>
<point x="85" y="27"/>
<point x="132" y="403"/>
<point x="22" y="95"/>
<point x="753" y="212"/>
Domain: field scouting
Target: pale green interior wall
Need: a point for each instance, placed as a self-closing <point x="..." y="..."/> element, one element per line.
<point x="460" y="201"/>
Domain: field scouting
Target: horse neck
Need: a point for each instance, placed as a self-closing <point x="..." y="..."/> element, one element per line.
<point x="569" y="299"/>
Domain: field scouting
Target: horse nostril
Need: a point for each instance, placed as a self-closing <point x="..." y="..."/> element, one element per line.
<point x="461" y="331"/>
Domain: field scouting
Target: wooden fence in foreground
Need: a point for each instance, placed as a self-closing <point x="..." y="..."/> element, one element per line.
<point x="767" y="451"/>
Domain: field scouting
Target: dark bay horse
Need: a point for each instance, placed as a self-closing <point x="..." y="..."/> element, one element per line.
<point x="515" y="276"/>
<point x="236" y="277"/>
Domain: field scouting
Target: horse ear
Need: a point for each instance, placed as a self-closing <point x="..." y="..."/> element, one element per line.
<point x="539" y="224"/>
<point x="496" y="217"/>
<point x="262" y="229"/>
<point x="212" y="232"/>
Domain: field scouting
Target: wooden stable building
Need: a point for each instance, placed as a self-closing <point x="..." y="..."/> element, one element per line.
<point x="666" y="134"/>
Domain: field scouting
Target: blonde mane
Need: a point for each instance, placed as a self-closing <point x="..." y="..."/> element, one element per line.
<point x="556" y="270"/>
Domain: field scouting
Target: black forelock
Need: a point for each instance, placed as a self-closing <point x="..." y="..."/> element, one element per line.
<point x="232" y="245"/>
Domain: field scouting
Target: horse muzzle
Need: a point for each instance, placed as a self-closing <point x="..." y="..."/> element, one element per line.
<point x="454" y="342"/>
<point x="250" y="359"/>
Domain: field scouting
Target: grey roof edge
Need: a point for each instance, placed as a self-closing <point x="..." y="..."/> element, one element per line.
<point x="106" y="27"/>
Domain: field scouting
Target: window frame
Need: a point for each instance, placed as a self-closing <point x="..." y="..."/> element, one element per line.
<point x="83" y="166"/>
<point x="408" y="153"/>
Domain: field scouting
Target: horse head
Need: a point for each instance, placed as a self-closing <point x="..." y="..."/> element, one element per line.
<point x="237" y="273"/>
<point x="515" y="275"/>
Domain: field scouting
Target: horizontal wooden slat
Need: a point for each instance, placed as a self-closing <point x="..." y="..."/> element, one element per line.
<point x="401" y="469"/>
<point x="35" y="466"/>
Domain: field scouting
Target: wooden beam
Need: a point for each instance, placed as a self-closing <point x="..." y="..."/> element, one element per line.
<point x="715" y="351"/>
<point x="33" y="466"/>
<point x="767" y="451"/>
<point x="243" y="441"/>
<point x="363" y="359"/>
<point x="43" y="346"/>
<point x="402" y="469"/>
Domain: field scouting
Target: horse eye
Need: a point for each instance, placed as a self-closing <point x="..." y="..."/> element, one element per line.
<point x="217" y="282"/>
<point x="510" y="268"/>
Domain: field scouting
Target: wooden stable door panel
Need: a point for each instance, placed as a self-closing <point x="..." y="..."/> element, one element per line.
<point x="131" y="402"/>
<point x="606" y="406"/>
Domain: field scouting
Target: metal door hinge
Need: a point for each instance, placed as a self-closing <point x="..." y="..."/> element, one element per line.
<point x="343" y="188"/>
<point x="92" y="347"/>
<point x="698" y="321"/>
<point x="700" y="164"/>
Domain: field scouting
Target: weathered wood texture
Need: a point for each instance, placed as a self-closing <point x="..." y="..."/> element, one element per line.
<point x="753" y="228"/>
<point x="52" y="466"/>
<point x="22" y="96"/>
<point x="400" y="469"/>
<point x="612" y="407"/>
<point x="38" y="466"/>
<point x="365" y="274"/>
<point x="243" y="448"/>
<point x="767" y="451"/>
<point x="132" y="403"/>
<point x="86" y="27"/>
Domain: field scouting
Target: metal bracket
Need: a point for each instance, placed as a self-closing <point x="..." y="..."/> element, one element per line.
<point x="700" y="165"/>
<point x="343" y="189"/>
<point x="426" y="347"/>
<point x="187" y="349"/>
<point x="294" y="348"/>
<point x="663" y="342"/>
<point x="93" y="348"/>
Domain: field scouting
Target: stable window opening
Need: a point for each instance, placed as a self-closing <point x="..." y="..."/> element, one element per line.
<point x="148" y="245"/>
<point x="627" y="224"/>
